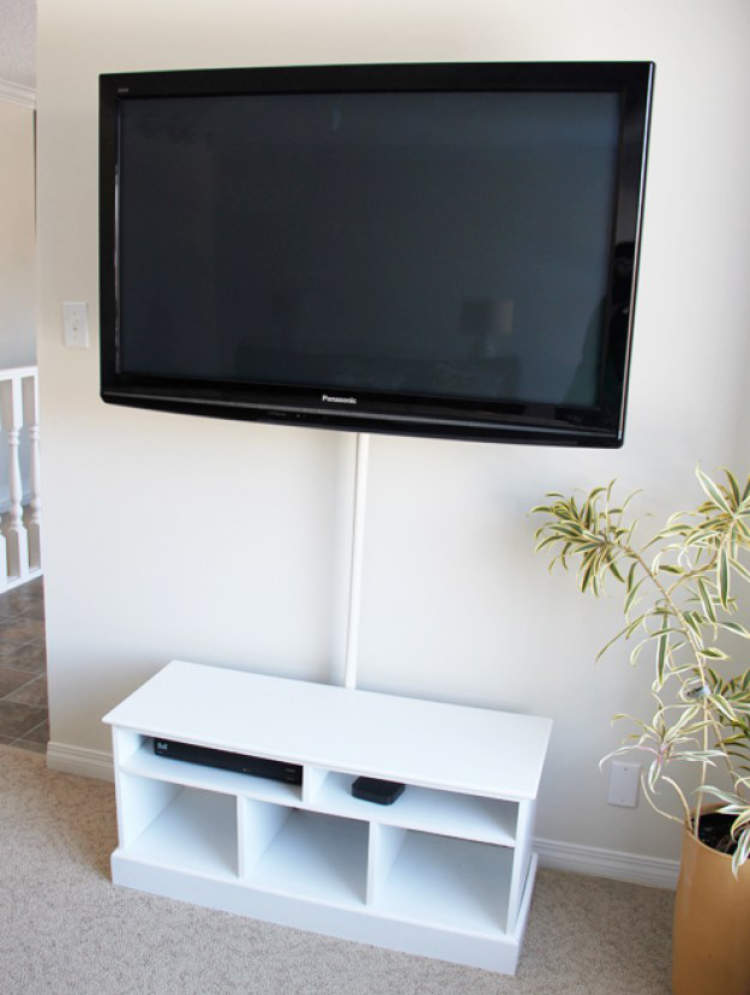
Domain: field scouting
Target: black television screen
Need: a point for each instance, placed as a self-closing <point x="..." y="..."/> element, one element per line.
<point x="442" y="250"/>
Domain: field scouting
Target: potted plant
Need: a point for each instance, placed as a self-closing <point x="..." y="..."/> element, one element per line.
<point x="679" y="606"/>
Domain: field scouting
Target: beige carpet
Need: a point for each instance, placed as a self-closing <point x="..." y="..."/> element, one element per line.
<point x="65" y="929"/>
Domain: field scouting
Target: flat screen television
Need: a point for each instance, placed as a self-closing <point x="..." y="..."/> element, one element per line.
<point x="443" y="250"/>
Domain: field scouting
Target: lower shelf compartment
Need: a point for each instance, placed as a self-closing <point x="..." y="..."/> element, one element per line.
<point x="305" y="854"/>
<point x="448" y="883"/>
<point x="194" y="830"/>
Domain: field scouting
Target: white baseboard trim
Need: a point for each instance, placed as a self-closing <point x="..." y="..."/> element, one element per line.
<point x="80" y="760"/>
<point x="634" y="868"/>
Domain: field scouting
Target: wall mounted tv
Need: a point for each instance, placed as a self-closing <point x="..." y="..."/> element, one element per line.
<point x="441" y="250"/>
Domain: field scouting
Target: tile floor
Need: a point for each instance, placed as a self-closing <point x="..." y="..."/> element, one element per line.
<point x="23" y="668"/>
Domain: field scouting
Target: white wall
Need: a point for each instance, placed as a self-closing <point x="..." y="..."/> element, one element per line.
<point x="17" y="248"/>
<point x="169" y="536"/>
<point x="17" y="333"/>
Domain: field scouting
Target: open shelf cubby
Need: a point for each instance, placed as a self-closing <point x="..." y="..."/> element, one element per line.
<point x="443" y="881"/>
<point x="172" y="825"/>
<point x="305" y="854"/>
<point x="446" y="871"/>
<point x="144" y="762"/>
<point x="491" y="820"/>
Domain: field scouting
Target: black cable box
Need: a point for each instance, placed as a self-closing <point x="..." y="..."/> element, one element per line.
<point x="276" y="770"/>
<point x="372" y="789"/>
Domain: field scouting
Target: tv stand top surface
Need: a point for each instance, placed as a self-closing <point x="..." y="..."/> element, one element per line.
<point x="433" y="744"/>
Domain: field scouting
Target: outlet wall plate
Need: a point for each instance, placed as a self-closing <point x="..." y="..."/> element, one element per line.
<point x="624" y="779"/>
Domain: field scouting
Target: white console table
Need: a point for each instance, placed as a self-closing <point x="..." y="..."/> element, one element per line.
<point x="446" y="871"/>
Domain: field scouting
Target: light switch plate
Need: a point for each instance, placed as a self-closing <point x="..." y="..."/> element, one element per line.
<point x="76" y="324"/>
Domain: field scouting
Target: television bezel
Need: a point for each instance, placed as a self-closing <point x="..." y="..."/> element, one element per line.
<point x="388" y="412"/>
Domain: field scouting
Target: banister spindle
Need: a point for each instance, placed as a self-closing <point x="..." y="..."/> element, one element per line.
<point x="15" y="533"/>
<point x="3" y="563"/>
<point x="31" y="420"/>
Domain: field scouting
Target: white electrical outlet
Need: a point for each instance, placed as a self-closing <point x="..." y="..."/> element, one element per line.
<point x="76" y="324"/>
<point x="623" y="783"/>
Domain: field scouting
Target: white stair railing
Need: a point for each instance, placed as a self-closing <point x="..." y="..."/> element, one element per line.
<point x="20" y="541"/>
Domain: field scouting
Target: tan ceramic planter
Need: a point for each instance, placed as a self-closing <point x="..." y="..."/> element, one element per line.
<point x="711" y="949"/>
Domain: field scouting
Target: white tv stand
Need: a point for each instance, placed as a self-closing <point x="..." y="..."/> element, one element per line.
<point x="445" y="871"/>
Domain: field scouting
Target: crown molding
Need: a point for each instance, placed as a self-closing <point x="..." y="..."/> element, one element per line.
<point x="16" y="93"/>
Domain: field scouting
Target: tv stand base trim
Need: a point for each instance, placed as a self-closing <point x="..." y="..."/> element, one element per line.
<point x="364" y="926"/>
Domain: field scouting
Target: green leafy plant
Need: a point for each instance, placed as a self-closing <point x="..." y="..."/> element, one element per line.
<point x="678" y="606"/>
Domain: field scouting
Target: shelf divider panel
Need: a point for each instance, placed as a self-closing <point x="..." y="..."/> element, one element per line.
<point x="262" y="824"/>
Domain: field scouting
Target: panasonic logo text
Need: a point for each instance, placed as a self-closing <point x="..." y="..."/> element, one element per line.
<point x="338" y="400"/>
